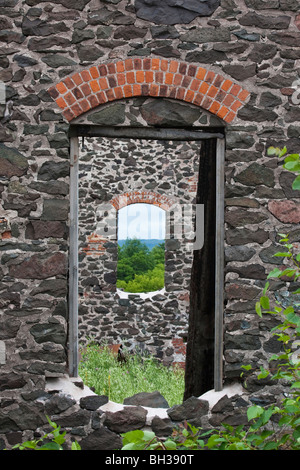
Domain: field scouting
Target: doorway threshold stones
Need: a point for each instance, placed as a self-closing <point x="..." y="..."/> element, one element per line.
<point x="108" y="420"/>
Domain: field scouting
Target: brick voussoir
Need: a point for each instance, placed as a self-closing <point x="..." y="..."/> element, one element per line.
<point x="145" y="196"/>
<point x="155" y="77"/>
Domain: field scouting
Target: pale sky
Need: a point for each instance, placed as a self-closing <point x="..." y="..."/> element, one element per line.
<point x="143" y="221"/>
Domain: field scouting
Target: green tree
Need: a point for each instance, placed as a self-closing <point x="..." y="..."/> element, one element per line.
<point x="150" y="281"/>
<point x="125" y="270"/>
<point x="142" y="262"/>
<point x="140" y="269"/>
<point x="158" y="254"/>
<point x="131" y="246"/>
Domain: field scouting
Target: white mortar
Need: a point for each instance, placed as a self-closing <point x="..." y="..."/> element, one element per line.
<point x="68" y="386"/>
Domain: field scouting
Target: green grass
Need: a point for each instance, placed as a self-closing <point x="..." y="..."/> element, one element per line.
<point x="100" y="369"/>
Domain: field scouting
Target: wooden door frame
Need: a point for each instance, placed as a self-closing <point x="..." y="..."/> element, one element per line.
<point x="155" y="134"/>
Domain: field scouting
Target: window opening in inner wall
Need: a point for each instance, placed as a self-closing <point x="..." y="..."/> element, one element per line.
<point x="141" y="249"/>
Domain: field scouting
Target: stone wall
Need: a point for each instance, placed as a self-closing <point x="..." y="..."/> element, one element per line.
<point x="97" y="423"/>
<point x="114" y="173"/>
<point x="254" y="45"/>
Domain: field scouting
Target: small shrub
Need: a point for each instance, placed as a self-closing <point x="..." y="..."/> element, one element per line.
<point x="53" y="440"/>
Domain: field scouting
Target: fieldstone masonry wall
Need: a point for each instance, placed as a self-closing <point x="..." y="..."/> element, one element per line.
<point x="114" y="173"/>
<point x="254" y="45"/>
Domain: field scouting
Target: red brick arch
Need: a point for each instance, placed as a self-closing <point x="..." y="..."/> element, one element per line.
<point x="148" y="197"/>
<point x="154" y="77"/>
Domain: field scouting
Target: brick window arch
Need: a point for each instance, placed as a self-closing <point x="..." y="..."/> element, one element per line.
<point x="147" y="197"/>
<point x="96" y="241"/>
<point x="155" y="77"/>
<point x="144" y="232"/>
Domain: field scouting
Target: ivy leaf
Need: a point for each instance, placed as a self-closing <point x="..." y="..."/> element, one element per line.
<point x="263" y="374"/>
<point x="50" y="446"/>
<point x="148" y="435"/>
<point x="288" y="311"/>
<point x="296" y="183"/>
<point x="265" y="302"/>
<point x="215" y="440"/>
<point x="267" y="415"/>
<point x="282" y="152"/>
<point x="292" y="165"/>
<point x="132" y="437"/>
<point x="170" y="445"/>
<point x="292" y="157"/>
<point x="284" y="235"/>
<point x="288" y="272"/>
<point x="274" y="273"/>
<point x="130" y="446"/>
<point x="258" y="309"/>
<point x="60" y="439"/>
<point x="270" y="446"/>
<point x="27" y="445"/>
<point x="247" y="367"/>
<point x="254" y="412"/>
<point x="296" y="385"/>
<point x="273" y="151"/>
<point x="283" y="254"/>
<point x="266" y="288"/>
<point x="75" y="446"/>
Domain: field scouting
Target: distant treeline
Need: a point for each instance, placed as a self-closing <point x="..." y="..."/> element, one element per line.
<point x="139" y="268"/>
<point x="150" y="243"/>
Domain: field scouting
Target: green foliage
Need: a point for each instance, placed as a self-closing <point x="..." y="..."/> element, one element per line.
<point x="100" y="369"/>
<point x="150" y="281"/>
<point x="53" y="440"/>
<point x="291" y="163"/>
<point x="145" y="440"/>
<point x="187" y="437"/>
<point x="287" y="332"/>
<point x="258" y="435"/>
<point x="275" y="427"/>
<point x="140" y="270"/>
<point x="183" y="438"/>
<point x="262" y="434"/>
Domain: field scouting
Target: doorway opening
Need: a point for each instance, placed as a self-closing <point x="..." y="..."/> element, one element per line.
<point x="209" y="193"/>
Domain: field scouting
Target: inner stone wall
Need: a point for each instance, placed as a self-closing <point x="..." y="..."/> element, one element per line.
<point x="114" y="173"/>
<point x="255" y="44"/>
